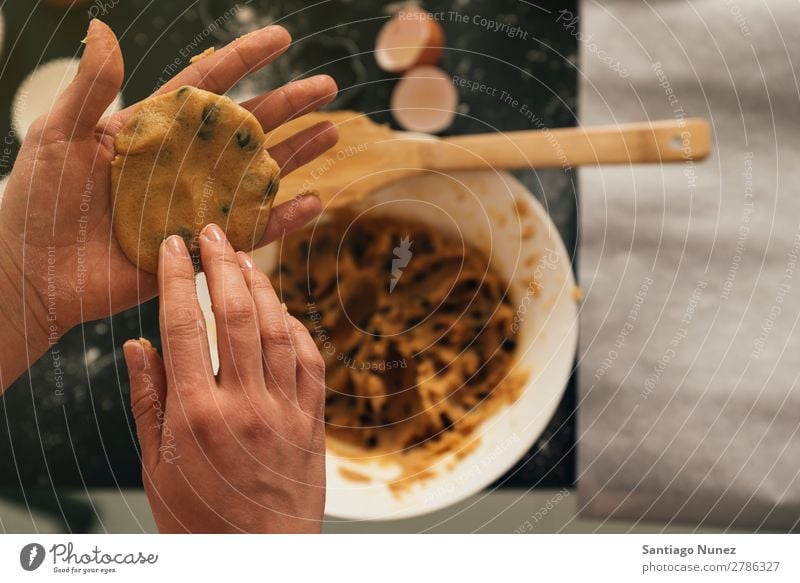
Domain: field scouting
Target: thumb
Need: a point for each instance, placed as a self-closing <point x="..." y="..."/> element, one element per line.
<point x="148" y="396"/>
<point x="95" y="86"/>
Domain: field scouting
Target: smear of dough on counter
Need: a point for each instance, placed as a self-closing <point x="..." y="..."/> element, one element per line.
<point x="411" y="371"/>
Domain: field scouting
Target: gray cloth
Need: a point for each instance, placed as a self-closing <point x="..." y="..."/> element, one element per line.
<point x="690" y="349"/>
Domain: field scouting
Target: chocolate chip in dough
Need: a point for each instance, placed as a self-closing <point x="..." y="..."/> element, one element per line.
<point x="445" y="420"/>
<point x="245" y="141"/>
<point x="187" y="236"/>
<point x="208" y="120"/>
<point x="272" y="189"/>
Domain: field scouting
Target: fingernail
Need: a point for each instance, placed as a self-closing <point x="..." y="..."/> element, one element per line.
<point x="176" y="246"/>
<point x="213" y="233"/>
<point x="134" y="354"/>
<point x="245" y="260"/>
<point x="92" y="23"/>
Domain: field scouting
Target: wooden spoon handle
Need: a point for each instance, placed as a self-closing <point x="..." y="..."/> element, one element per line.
<point x="633" y="143"/>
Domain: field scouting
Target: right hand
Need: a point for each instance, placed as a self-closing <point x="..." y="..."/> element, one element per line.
<point x="243" y="451"/>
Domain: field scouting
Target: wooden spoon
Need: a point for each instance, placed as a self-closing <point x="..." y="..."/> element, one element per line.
<point x="370" y="155"/>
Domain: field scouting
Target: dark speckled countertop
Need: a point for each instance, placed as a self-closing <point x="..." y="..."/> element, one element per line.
<point x="82" y="436"/>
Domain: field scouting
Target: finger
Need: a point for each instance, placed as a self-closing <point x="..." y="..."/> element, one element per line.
<point x="310" y="373"/>
<point x="292" y="100"/>
<point x="240" y="362"/>
<point x="277" y="341"/>
<point x="290" y="216"/>
<point x="222" y="69"/>
<point x="304" y="146"/>
<point x="148" y="396"/>
<point x="183" y="331"/>
<point x="95" y="86"/>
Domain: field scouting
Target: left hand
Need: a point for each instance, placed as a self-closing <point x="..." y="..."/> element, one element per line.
<point x="59" y="261"/>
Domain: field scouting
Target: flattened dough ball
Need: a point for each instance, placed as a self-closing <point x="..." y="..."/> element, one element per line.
<point x="186" y="159"/>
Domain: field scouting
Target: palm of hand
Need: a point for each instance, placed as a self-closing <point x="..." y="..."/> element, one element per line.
<point x="57" y="208"/>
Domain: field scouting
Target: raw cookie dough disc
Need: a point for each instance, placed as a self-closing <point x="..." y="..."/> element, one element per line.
<point x="186" y="159"/>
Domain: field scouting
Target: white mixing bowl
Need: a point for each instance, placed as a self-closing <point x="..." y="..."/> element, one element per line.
<point x="496" y="213"/>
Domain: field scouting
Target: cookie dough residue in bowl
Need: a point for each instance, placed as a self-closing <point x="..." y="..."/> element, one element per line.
<point x="416" y="332"/>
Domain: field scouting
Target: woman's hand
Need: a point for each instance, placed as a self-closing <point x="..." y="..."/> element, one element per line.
<point x="243" y="451"/>
<point x="59" y="261"/>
